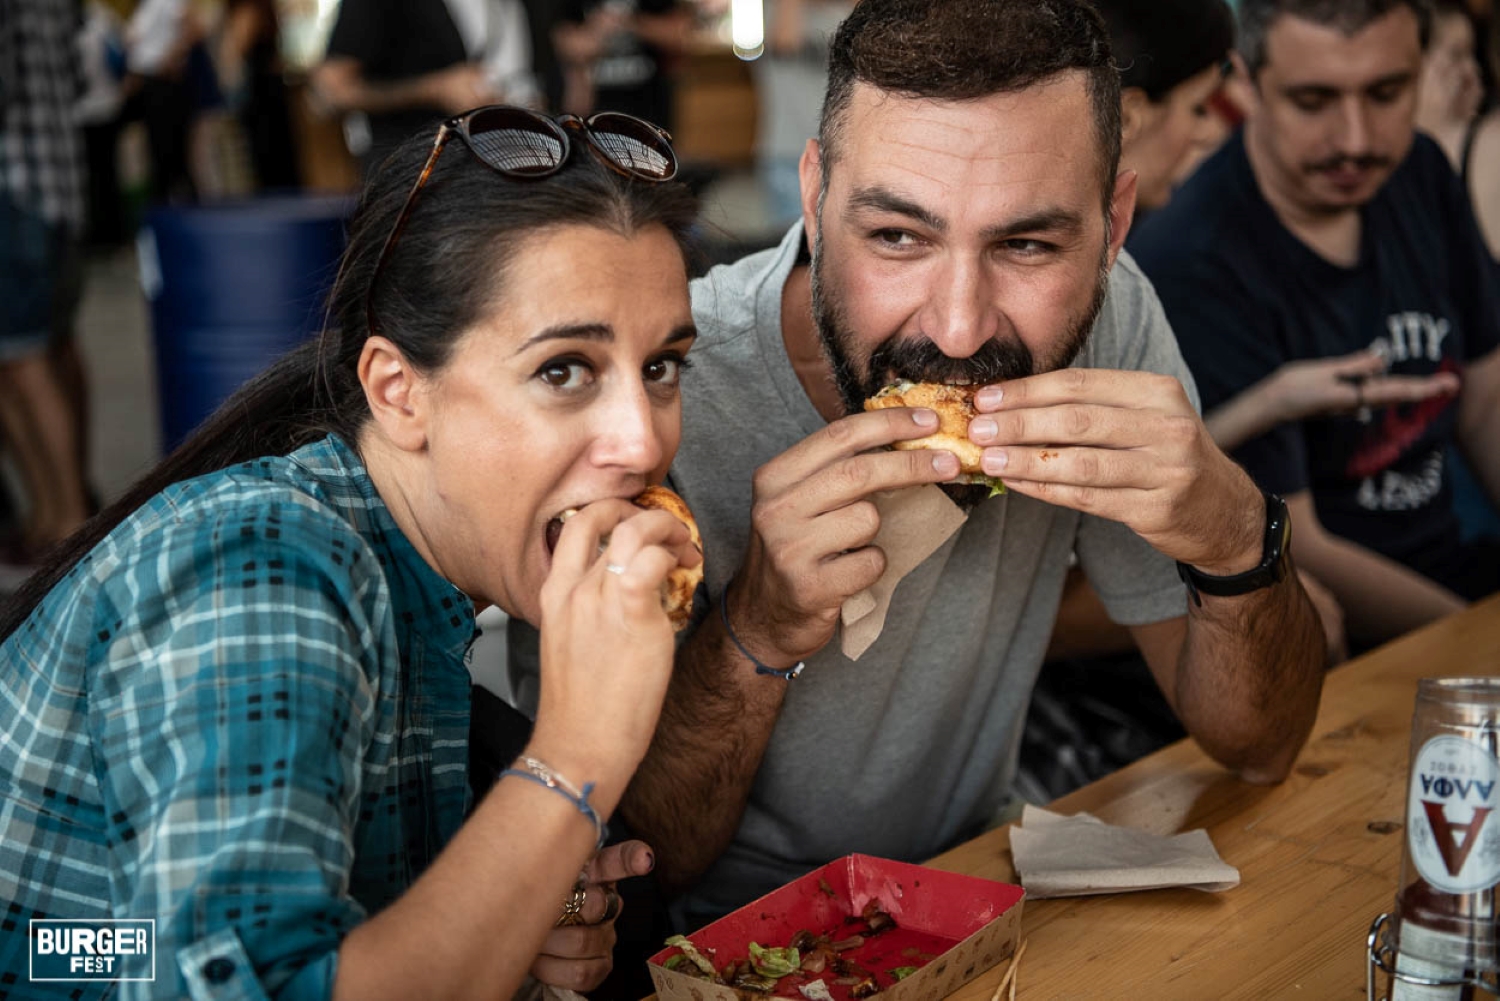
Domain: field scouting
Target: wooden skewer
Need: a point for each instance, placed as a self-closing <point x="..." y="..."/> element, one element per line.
<point x="1009" y="979"/>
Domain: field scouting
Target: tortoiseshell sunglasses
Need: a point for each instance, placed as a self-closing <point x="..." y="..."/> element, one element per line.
<point x="526" y="145"/>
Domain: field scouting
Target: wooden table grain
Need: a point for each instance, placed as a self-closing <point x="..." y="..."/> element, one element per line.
<point x="1318" y="855"/>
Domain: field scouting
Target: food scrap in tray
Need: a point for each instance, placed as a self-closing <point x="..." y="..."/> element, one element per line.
<point x="813" y="966"/>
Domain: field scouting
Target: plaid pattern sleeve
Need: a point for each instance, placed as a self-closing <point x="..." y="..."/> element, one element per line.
<point x="41" y="148"/>
<point x="213" y="728"/>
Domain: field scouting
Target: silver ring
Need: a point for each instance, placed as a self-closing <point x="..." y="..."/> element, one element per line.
<point x="612" y="904"/>
<point x="614" y="568"/>
<point x="572" y="908"/>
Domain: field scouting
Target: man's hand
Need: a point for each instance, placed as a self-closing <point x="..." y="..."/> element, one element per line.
<point x="812" y="524"/>
<point x="1345" y="384"/>
<point x="1127" y="446"/>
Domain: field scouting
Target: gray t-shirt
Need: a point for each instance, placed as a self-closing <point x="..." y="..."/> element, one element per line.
<point x="913" y="747"/>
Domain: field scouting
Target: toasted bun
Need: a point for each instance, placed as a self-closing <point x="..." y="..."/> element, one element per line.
<point x="682" y="583"/>
<point x="954" y="406"/>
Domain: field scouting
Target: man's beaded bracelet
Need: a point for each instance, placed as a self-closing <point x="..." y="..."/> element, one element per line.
<point x="786" y="674"/>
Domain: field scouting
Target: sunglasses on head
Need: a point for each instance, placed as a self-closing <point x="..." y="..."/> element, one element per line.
<point x="525" y="145"/>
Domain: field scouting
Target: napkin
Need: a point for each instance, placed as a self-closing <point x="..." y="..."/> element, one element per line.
<point x="535" y="990"/>
<point x="1058" y="856"/>
<point x="913" y="523"/>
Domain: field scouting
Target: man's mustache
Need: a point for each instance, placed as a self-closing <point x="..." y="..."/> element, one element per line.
<point x="923" y="361"/>
<point x="1369" y="162"/>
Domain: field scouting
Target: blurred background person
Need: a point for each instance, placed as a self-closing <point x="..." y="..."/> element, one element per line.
<point x="1451" y="109"/>
<point x="162" y="40"/>
<point x="248" y="59"/>
<point x="1173" y="56"/>
<point x="99" y="113"/>
<point x="789" y="82"/>
<point x="41" y="223"/>
<point x="619" y="55"/>
<point x="1328" y="227"/>
<point x="393" y="66"/>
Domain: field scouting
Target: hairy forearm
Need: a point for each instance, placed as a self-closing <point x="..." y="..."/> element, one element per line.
<point x="689" y="793"/>
<point x="1251" y="672"/>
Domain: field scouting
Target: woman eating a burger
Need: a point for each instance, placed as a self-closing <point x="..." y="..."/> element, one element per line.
<point x="237" y="702"/>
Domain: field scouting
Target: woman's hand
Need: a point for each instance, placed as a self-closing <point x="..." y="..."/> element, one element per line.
<point x="579" y="957"/>
<point x="1348" y="383"/>
<point x="606" y="643"/>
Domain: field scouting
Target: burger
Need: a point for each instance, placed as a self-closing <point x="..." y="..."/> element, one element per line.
<point x="682" y="583"/>
<point x="954" y="406"/>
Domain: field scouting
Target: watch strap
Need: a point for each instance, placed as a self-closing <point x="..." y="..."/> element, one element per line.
<point x="1270" y="570"/>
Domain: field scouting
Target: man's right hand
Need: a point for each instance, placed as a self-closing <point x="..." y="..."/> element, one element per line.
<point x="812" y="524"/>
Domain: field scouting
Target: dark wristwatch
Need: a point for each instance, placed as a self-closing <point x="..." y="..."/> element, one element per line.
<point x="1273" y="560"/>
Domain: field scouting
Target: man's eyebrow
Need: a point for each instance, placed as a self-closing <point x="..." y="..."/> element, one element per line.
<point x="1391" y="80"/>
<point x="1310" y="90"/>
<point x="884" y="200"/>
<point x="571" y="332"/>
<point x="1045" y="220"/>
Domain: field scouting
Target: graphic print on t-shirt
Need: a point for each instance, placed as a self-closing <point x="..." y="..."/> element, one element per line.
<point x="1398" y="431"/>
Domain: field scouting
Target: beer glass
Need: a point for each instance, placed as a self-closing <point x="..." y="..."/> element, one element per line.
<point x="1439" y="943"/>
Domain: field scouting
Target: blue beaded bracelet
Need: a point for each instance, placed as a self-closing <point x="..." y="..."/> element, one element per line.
<point x="786" y="674"/>
<point x="543" y="775"/>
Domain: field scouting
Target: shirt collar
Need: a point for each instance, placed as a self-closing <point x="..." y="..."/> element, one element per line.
<point x="423" y="600"/>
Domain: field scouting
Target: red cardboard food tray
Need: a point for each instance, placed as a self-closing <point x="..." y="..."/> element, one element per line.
<point x="965" y="924"/>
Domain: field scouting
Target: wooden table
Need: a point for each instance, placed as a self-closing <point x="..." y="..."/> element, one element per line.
<point x="1318" y="855"/>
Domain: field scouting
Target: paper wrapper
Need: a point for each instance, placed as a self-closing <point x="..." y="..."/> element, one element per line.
<point x="913" y="523"/>
<point x="534" y="990"/>
<point x="1058" y="856"/>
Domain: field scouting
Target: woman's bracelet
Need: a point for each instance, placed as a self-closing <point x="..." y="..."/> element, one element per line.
<point x="786" y="674"/>
<point x="534" y="770"/>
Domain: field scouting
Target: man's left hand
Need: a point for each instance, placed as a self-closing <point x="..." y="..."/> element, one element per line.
<point x="1127" y="446"/>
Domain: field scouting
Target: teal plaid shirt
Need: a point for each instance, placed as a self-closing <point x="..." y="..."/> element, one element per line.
<point x="244" y="714"/>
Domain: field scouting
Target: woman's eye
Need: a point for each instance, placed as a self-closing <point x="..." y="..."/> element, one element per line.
<point x="666" y="371"/>
<point x="565" y="374"/>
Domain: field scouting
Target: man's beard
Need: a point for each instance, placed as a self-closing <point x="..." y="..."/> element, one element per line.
<point x="922" y="360"/>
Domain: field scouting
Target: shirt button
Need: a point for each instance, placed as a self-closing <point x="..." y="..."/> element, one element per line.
<point x="218" y="970"/>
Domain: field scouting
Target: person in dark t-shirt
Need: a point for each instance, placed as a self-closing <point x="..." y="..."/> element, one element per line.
<point x="616" y="55"/>
<point x="397" y="65"/>
<point x="1329" y="243"/>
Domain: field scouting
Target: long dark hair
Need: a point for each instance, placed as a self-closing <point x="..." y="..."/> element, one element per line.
<point x="1159" y="44"/>
<point x="446" y="272"/>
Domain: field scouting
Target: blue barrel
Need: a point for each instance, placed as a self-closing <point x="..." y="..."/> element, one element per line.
<point x="233" y="286"/>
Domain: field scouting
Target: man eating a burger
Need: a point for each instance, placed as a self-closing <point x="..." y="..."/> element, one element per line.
<point x="961" y="233"/>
